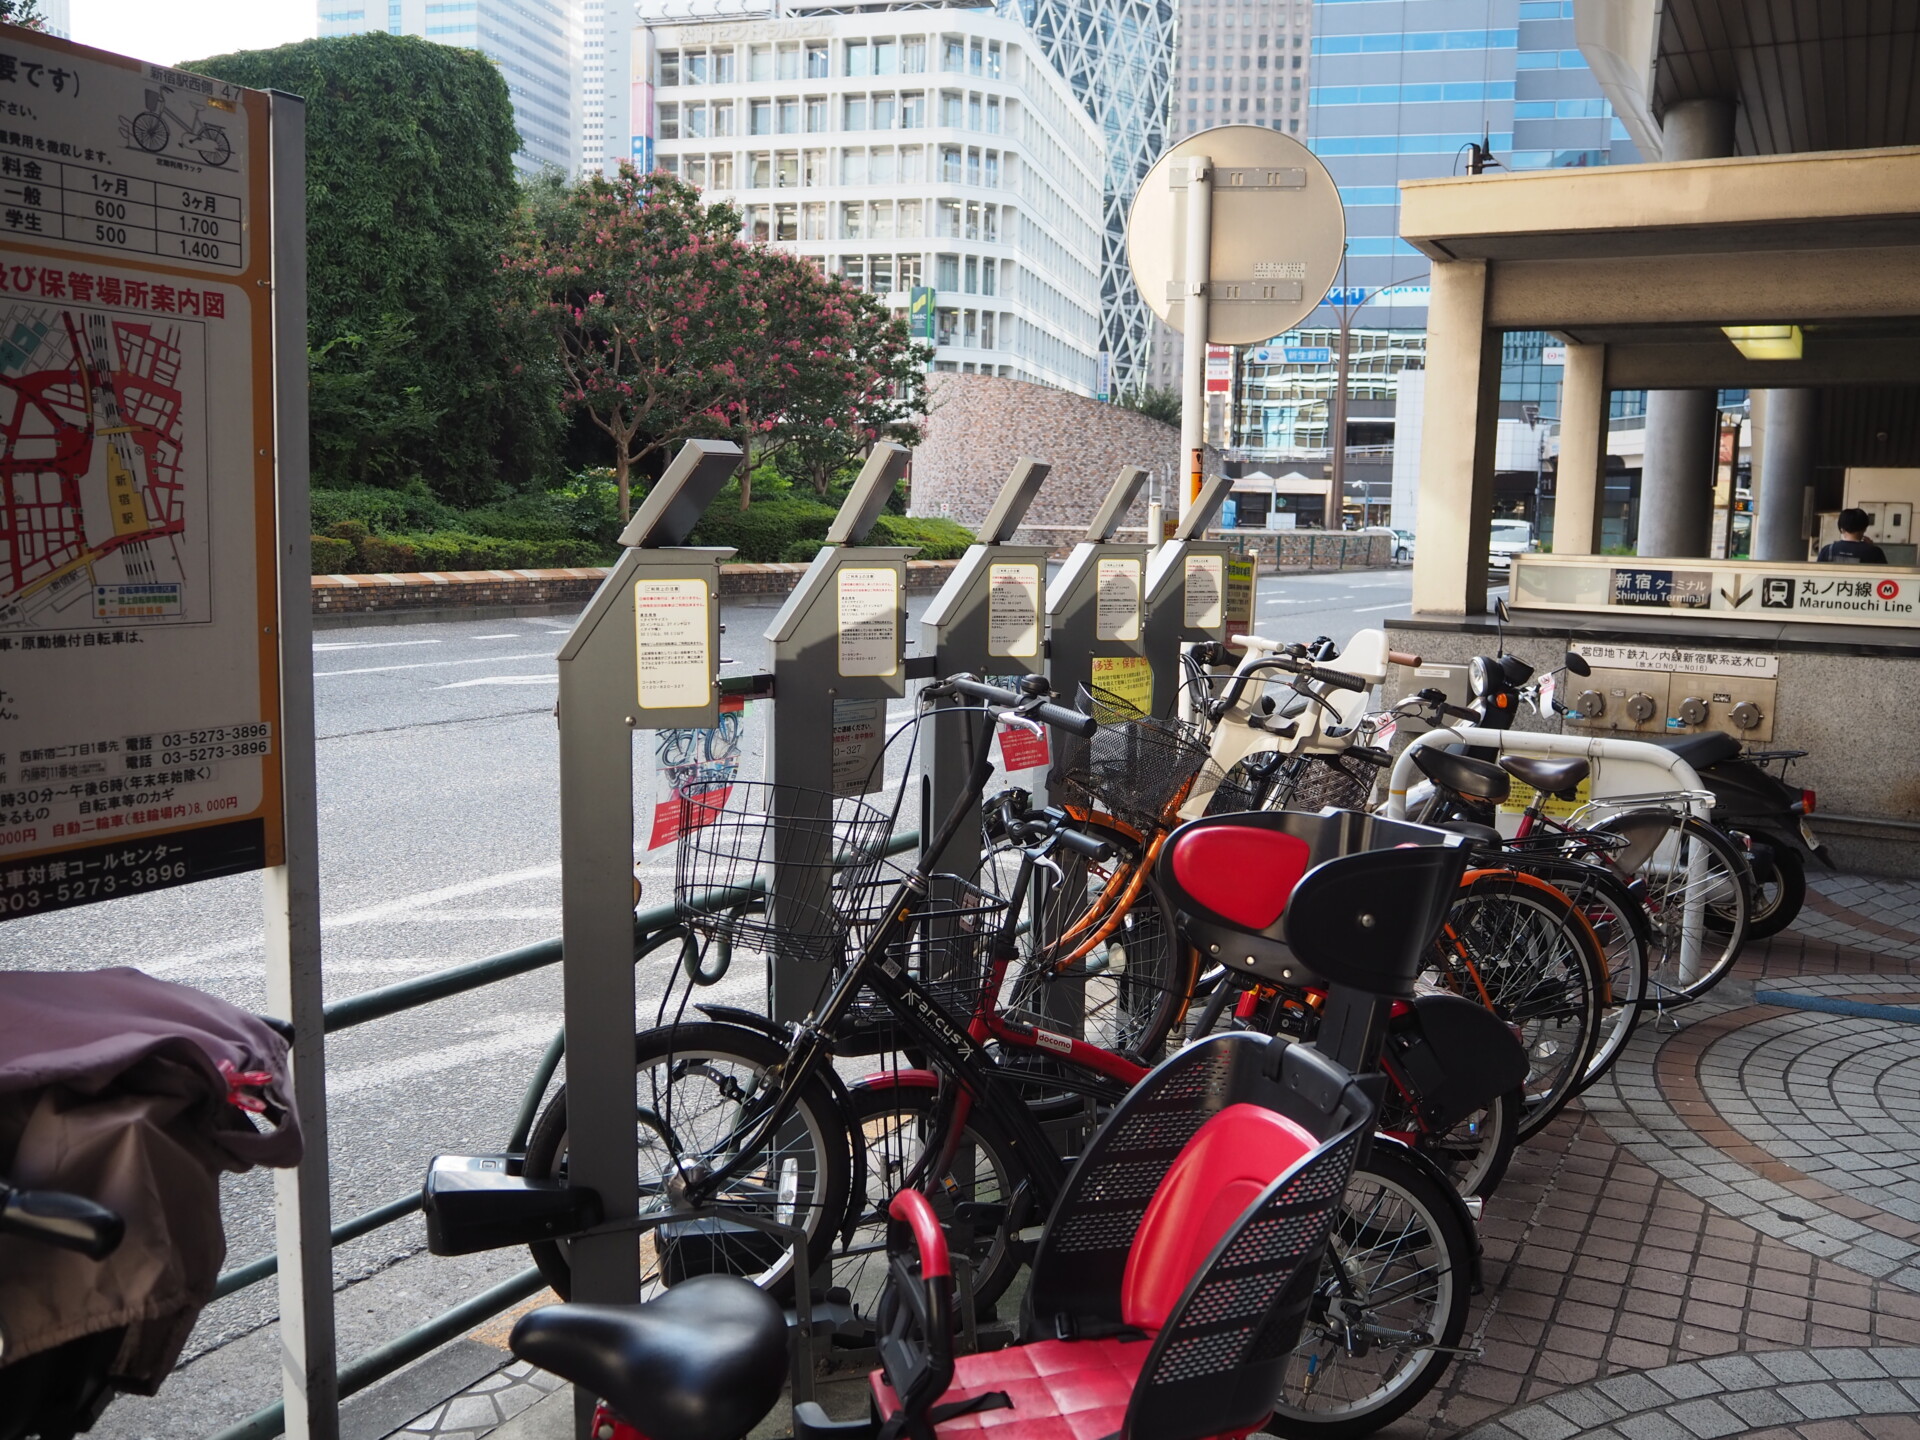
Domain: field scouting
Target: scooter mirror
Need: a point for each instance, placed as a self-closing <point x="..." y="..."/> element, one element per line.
<point x="1500" y="609"/>
<point x="1576" y="664"/>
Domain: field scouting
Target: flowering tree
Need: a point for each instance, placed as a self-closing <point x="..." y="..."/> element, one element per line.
<point x="642" y="287"/>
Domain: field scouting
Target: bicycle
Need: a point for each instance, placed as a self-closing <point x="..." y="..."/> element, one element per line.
<point x="153" y="133"/>
<point x="752" y="1126"/>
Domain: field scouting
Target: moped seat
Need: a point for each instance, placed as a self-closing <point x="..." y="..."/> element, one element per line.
<point x="1709" y="747"/>
<point x="704" y="1361"/>
<point x="1552" y="776"/>
<point x="1476" y="779"/>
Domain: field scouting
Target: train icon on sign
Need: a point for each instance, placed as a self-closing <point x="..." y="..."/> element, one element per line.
<point x="1776" y="592"/>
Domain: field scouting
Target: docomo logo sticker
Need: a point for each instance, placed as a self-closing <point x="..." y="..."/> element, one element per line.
<point x="1888" y="590"/>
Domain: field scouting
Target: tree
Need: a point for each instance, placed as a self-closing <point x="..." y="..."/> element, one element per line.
<point x="411" y="200"/>
<point x="24" y="13"/>
<point x="1153" y="402"/>
<point x="645" y="293"/>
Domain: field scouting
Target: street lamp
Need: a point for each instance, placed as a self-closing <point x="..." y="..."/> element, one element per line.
<point x="1346" y="312"/>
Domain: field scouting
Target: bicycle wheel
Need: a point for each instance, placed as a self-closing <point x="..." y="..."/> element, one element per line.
<point x="1130" y="986"/>
<point x="1389" y="1306"/>
<point x="700" y="1089"/>
<point x="150" y="132"/>
<point x="1475" y="1152"/>
<point x="892" y="1125"/>
<point x="1698" y="899"/>
<point x="1619" y="923"/>
<point x="1518" y="945"/>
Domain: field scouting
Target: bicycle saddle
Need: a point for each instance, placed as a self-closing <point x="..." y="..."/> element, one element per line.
<point x="1552" y="776"/>
<point x="704" y="1361"/>
<point x="1475" y="779"/>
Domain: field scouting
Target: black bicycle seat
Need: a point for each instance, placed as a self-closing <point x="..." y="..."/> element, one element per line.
<point x="1552" y="776"/>
<point x="1476" y="779"/>
<point x="704" y="1361"/>
<point x="1707" y="747"/>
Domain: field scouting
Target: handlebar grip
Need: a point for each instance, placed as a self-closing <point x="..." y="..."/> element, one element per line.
<point x="1090" y="846"/>
<point x="1047" y="713"/>
<point x="1254" y="642"/>
<point x="1456" y="712"/>
<point x="1402" y="657"/>
<point x="71" y="1222"/>
<point x="1340" y="680"/>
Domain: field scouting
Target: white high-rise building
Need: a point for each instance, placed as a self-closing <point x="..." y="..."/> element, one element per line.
<point x="59" y="17"/>
<point x="906" y="150"/>
<point x="531" y="41"/>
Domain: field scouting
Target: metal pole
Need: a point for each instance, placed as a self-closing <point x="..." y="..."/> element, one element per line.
<point x="302" y="1218"/>
<point x="1193" y="407"/>
<point x="1338" y="438"/>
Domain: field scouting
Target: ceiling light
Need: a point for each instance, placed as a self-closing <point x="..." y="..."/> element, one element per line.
<point x="1765" y="342"/>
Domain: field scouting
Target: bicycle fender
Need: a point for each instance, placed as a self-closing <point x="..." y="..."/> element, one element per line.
<point x="776" y="1032"/>
<point x="1458" y="1055"/>
<point x="1465" y="1216"/>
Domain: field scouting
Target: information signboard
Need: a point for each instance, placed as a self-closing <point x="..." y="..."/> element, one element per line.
<point x="1720" y="589"/>
<point x="139" y="624"/>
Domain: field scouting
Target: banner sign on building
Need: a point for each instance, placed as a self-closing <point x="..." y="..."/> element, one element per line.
<point x="920" y="313"/>
<point x="140" y="719"/>
<point x="1219" y="369"/>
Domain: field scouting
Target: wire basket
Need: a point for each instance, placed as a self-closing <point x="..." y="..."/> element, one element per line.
<point x="832" y="850"/>
<point x="1344" y="781"/>
<point x="946" y="952"/>
<point x="1135" y="767"/>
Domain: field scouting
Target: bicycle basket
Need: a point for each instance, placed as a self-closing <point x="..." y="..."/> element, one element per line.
<point x="831" y="848"/>
<point x="1135" y="767"/>
<point x="1344" y="781"/>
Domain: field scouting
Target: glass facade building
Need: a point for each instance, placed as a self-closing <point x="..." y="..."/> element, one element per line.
<point x="1403" y="90"/>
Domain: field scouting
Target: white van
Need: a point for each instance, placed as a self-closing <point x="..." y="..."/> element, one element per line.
<point x="1510" y="538"/>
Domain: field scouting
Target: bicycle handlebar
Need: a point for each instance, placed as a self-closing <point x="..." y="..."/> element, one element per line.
<point x="71" y="1222"/>
<point x="1031" y="706"/>
<point x="1403" y="657"/>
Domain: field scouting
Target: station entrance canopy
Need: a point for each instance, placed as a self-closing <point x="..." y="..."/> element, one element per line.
<point x="1639" y="269"/>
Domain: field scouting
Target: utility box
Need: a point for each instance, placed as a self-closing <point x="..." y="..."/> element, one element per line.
<point x="1649" y="690"/>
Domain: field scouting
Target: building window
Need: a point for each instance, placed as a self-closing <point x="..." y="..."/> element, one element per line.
<point x="946" y="269"/>
<point x="816" y="114"/>
<point x="759" y="62"/>
<point x="813" y="220"/>
<point x="987" y="270"/>
<point x="669" y="68"/>
<point x="880" y="274"/>
<point x="949" y="219"/>
<point x="759" y="223"/>
<point x="723" y="117"/>
<point x="993" y="60"/>
<point x="953" y="54"/>
<point x="760" y="117"/>
<point x="950" y="164"/>
<point x="668" y="121"/>
<point x="950" y="111"/>
<point x="694" y="171"/>
<point x="813" y="168"/>
<point x="912" y="219"/>
<point x="786" y="169"/>
<point x="913" y="55"/>
<point x="817" y="68"/>
<point x="786" y="222"/>
<point x="973" y="276"/>
<point x="853" y="270"/>
<point x="973" y="219"/>
<point x="859" y="58"/>
<point x="722" y="172"/>
<point x="990" y="225"/>
<point x="886" y="57"/>
<point x="853" y="113"/>
<point x="760" y="175"/>
<point x="976" y="59"/>
<point x="884" y="107"/>
<point x="913" y="110"/>
<point x="787" y="62"/>
<point x="787" y="113"/>
<point x="853" y="215"/>
<point x="993" y="169"/>
<point x="853" y="167"/>
<point x="909" y="272"/>
<point x="723" y="67"/>
<point x="913" y="163"/>
<point x="693" y="68"/>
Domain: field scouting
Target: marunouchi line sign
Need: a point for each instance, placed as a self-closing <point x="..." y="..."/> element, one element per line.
<point x="139" y="624"/>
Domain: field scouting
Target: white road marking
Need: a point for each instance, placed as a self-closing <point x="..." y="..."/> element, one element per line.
<point x="501" y="680"/>
<point x="519" y="1031"/>
<point x="493" y="637"/>
<point x="369" y="644"/>
<point x="431" y="665"/>
<point x="386" y="910"/>
<point x="1381" y="585"/>
<point x="1369" y="609"/>
<point x="441" y="917"/>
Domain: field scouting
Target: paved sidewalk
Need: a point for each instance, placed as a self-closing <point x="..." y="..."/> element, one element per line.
<point x="1721" y="1239"/>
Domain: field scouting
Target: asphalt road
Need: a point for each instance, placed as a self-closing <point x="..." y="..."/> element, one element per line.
<point x="439" y="844"/>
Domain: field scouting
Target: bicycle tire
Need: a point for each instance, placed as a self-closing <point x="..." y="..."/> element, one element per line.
<point x="150" y="132"/>
<point x="892" y="1122"/>
<point x="713" y="1057"/>
<point x="1517" y="944"/>
<point x="1777" y="900"/>
<point x="1133" y="988"/>
<point x="1698" y="898"/>
<point x="1399" y="1238"/>
<point x="1475" y="1153"/>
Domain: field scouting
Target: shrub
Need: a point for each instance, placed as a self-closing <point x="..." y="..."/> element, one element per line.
<point x="332" y="556"/>
<point x="388" y="512"/>
<point x="351" y="531"/>
<point x="768" y="529"/>
<point x="936" y="539"/>
<point x="386" y="555"/>
<point x="461" y="550"/>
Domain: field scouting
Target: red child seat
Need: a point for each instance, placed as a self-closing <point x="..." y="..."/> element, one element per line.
<point x="1080" y="1389"/>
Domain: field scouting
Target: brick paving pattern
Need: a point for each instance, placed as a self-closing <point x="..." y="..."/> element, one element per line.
<point x="1722" y="1238"/>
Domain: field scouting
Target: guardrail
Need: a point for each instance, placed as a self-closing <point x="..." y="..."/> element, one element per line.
<point x="652" y="928"/>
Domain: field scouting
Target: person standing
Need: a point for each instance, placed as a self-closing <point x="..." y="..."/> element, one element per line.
<point x="1853" y="547"/>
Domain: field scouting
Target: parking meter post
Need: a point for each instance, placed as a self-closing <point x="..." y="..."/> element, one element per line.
<point x="644" y="655"/>
<point x="1085" y="633"/>
<point x="1186" y="594"/>
<point x="986" y="620"/>
<point x="838" y="657"/>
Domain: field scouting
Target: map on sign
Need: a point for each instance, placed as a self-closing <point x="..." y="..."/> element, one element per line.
<point x="102" y="469"/>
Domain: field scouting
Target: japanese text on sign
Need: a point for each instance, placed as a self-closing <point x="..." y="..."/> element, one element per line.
<point x="869" y="620"/>
<point x="1117" y="599"/>
<point x="670" y="626"/>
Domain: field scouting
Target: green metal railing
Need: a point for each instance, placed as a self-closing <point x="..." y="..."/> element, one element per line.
<point x="652" y="928"/>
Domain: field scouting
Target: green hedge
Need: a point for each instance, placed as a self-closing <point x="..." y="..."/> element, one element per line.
<point x="936" y="539"/>
<point x="769" y="529"/>
<point x="331" y="556"/>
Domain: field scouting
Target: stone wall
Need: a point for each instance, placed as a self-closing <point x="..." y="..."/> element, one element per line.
<point x="978" y="425"/>
<point x="483" y="589"/>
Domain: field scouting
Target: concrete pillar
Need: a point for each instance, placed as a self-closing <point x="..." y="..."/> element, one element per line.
<point x="1785" y="471"/>
<point x="1457" y="443"/>
<point x="1580" y="484"/>
<point x="1676" y="476"/>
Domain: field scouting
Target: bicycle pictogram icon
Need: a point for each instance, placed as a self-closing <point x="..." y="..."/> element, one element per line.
<point x="163" y="126"/>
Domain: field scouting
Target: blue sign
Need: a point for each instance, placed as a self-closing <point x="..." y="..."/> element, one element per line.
<point x="1308" y="355"/>
<point x="1229" y="514"/>
<point x="643" y="153"/>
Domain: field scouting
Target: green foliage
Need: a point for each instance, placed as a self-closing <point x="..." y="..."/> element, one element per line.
<point x="388" y="511"/>
<point x="411" y="201"/>
<point x="331" y="556"/>
<point x="387" y="555"/>
<point x="461" y="550"/>
<point x="767" y="529"/>
<point x="937" y="539"/>
<point x="1152" y="401"/>
<point x="24" y="13"/>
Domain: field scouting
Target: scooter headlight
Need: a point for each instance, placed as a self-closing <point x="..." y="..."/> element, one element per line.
<point x="1478" y="675"/>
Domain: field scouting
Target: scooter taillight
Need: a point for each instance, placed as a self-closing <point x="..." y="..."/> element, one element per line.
<point x="1806" y="802"/>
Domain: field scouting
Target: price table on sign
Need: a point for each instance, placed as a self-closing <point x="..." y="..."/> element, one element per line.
<point x="100" y="210"/>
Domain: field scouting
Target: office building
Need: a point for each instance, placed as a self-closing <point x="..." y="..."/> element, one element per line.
<point x="908" y="150"/>
<point x="1115" y="56"/>
<point x="1418" y="89"/>
<point x="59" y="17"/>
<point x="532" y="42"/>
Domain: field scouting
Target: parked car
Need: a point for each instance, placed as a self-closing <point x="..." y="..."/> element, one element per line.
<point x="1402" y="547"/>
<point x="1510" y="538"/>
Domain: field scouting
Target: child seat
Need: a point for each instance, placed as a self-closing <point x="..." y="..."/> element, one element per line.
<point x="1174" y="1273"/>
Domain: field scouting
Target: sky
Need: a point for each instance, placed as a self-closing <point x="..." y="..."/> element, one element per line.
<point x="169" y="31"/>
